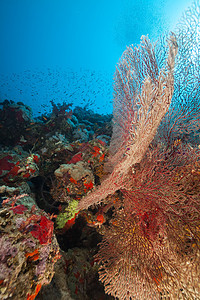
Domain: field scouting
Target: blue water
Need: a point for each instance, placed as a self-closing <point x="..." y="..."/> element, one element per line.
<point x="65" y="50"/>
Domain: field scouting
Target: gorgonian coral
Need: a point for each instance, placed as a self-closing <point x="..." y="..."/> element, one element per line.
<point x="151" y="248"/>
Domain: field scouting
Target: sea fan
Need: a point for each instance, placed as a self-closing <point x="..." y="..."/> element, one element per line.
<point x="142" y="97"/>
<point x="182" y="119"/>
<point x="133" y="266"/>
<point x="151" y="248"/>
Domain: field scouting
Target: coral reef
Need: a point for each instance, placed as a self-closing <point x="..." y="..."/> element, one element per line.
<point x="18" y="165"/>
<point x="47" y="167"/>
<point x="120" y="199"/>
<point x="28" y="252"/>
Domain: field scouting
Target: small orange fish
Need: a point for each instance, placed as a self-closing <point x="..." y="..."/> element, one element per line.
<point x="100" y="218"/>
<point x="32" y="297"/>
<point x="88" y="185"/>
<point x="97" y="150"/>
<point x="73" y="180"/>
<point x="33" y="256"/>
<point x="102" y="157"/>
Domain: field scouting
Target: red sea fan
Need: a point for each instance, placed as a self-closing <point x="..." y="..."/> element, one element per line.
<point x="132" y="267"/>
<point x="143" y="93"/>
<point x="152" y="246"/>
<point x="182" y="120"/>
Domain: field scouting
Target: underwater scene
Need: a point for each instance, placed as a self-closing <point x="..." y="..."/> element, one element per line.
<point x="100" y="150"/>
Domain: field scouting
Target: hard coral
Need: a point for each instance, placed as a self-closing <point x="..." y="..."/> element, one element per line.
<point x="28" y="251"/>
<point x="17" y="166"/>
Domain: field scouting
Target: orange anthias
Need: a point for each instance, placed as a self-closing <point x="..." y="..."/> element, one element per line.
<point x="33" y="255"/>
<point x="100" y="218"/>
<point x="32" y="297"/>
